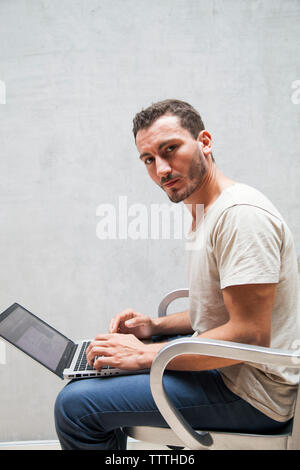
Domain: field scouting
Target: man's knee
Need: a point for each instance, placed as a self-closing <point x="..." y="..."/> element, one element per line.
<point x="60" y="404"/>
<point x="68" y="404"/>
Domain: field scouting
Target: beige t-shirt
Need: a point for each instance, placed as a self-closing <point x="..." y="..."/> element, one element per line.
<point x="243" y="239"/>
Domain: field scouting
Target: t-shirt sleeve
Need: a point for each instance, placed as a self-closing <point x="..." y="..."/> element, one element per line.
<point x="247" y="244"/>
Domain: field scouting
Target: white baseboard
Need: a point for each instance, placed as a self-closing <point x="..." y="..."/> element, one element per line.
<point x="30" y="445"/>
<point x="132" y="444"/>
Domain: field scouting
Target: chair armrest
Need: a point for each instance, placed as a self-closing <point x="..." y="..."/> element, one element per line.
<point x="175" y="294"/>
<point x="227" y="349"/>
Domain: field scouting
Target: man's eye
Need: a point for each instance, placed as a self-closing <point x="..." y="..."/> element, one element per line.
<point x="170" y="148"/>
<point x="148" y="160"/>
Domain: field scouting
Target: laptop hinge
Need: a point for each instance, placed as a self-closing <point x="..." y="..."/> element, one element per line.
<point x="71" y="355"/>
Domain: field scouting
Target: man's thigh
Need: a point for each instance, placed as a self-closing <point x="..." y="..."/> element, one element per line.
<point x="112" y="402"/>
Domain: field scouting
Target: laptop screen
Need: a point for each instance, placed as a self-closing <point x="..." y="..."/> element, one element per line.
<point x="33" y="336"/>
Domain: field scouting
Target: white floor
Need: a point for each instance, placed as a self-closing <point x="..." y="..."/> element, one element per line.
<point x="54" y="445"/>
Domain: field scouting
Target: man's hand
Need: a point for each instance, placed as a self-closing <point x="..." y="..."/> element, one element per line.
<point x="118" y="350"/>
<point x="131" y="322"/>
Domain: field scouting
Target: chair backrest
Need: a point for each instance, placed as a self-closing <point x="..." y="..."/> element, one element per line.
<point x="294" y="439"/>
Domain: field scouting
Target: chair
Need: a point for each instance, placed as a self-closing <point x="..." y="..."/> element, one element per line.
<point x="180" y="434"/>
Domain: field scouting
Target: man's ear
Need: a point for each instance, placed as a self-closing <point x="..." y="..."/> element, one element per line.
<point x="205" y="139"/>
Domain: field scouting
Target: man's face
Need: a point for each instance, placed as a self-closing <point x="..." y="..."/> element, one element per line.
<point x="173" y="157"/>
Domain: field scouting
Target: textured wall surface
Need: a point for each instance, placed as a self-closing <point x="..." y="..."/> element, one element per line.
<point x="75" y="73"/>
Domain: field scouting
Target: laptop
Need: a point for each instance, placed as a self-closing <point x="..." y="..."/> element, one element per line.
<point x="49" y="347"/>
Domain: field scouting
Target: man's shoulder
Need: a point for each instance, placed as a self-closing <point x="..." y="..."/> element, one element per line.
<point x="250" y="218"/>
<point x="241" y="201"/>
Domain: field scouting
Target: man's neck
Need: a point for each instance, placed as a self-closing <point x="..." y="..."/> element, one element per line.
<point x="214" y="183"/>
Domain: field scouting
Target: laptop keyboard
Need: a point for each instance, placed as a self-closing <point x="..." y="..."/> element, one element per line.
<point x="81" y="363"/>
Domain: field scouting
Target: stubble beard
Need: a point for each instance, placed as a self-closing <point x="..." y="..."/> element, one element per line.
<point x="195" y="177"/>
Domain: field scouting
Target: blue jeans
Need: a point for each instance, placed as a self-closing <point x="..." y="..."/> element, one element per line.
<point x="89" y="413"/>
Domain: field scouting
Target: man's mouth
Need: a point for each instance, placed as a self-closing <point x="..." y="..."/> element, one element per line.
<point x="170" y="183"/>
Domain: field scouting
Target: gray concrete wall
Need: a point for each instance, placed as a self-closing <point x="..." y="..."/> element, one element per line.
<point x="75" y="73"/>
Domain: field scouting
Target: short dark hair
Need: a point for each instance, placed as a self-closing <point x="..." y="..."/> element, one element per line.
<point x="189" y="117"/>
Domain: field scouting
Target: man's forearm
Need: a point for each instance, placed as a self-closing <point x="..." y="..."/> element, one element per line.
<point x="176" y="323"/>
<point x="196" y="362"/>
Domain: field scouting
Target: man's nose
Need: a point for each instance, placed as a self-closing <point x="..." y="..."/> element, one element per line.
<point x="162" y="167"/>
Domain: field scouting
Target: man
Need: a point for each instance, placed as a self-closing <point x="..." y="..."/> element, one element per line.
<point x="243" y="288"/>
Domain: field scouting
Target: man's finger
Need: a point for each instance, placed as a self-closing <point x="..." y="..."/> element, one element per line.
<point x="103" y="361"/>
<point x="92" y="345"/>
<point x="137" y="321"/>
<point x="112" y="326"/>
<point x="121" y="317"/>
<point x="103" y="337"/>
<point x="97" y="351"/>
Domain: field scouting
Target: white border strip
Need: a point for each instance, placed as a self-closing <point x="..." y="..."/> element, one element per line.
<point x="31" y="445"/>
